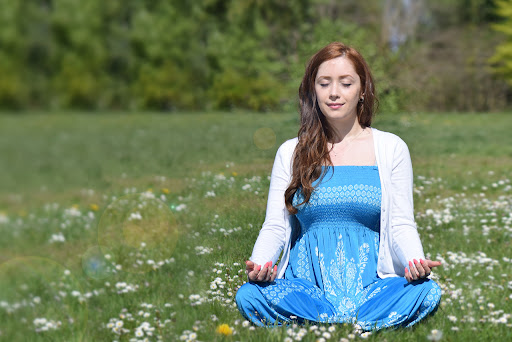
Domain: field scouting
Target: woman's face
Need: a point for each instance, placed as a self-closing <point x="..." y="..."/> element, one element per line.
<point x="338" y="89"/>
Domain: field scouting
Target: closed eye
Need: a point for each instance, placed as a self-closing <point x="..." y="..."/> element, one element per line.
<point x="324" y="85"/>
<point x="346" y="85"/>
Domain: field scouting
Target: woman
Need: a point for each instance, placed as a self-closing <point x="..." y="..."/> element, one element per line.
<point x="340" y="209"/>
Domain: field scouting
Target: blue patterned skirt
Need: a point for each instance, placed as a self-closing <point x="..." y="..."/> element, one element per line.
<point x="332" y="272"/>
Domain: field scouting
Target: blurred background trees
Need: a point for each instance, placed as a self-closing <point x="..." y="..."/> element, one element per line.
<point x="502" y="59"/>
<point x="225" y="54"/>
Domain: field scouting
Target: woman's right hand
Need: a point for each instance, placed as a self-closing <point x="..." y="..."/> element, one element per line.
<point x="421" y="269"/>
<point x="260" y="274"/>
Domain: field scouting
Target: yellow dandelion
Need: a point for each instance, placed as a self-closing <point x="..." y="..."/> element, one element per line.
<point x="224" y="329"/>
<point x="94" y="207"/>
<point x="234" y="173"/>
<point x="150" y="190"/>
<point x="165" y="190"/>
<point x="75" y="206"/>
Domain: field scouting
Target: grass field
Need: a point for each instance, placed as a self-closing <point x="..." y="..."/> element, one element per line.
<point x="134" y="227"/>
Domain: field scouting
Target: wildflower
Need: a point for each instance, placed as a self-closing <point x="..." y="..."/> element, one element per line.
<point x="94" y="207"/>
<point x="234" y="174"/>
<point x="210" y="194"/>
<point x="165" y="191"/>
<point x="73" y="211"/>
<point x="435" y="335"/>
<point x="3" y="217"/>
<point x="181" y="207"/>
<point x="57" y="238"/>
<point x="452" y="318"/>
<point x="224" y="329"/>
<point x="135" y="216"/>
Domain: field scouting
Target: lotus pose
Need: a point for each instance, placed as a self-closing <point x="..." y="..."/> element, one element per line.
<point x="339" y="213"/>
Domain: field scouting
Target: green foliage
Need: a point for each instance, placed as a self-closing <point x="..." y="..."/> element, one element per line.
<point x="502" y="59"/>
<point x="12" y="88"/>
<point x="205" y="54"/>
<point x="462" y="12"/>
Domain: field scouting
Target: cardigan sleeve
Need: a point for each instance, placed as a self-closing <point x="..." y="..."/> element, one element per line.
<point x="272" y="236"/>
<point x="406" y="241"/>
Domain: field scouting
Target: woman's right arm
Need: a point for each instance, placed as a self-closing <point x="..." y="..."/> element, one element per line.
<point x="272" y="236"/>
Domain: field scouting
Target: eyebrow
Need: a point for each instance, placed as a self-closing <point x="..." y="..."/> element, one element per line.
<point x="341" y="77"/>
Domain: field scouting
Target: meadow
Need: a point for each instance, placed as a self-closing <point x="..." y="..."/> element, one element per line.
<point x="135" y="227"/>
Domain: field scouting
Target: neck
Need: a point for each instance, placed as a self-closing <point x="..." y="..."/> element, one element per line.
<point x="345" y="129"/>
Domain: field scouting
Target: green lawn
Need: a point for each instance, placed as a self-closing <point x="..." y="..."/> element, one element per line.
<point x="131" y="226"/>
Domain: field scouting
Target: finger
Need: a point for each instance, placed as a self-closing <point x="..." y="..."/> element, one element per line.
<point x="249" y="266"/>
<point x="262" y="276"/>
<point x="256" y="271"/>
<point x="253" y="274"/>
<point x="433" y="263"/>
<point x="408" y="275"/>
<point x="413" y="271"/>
<point x="419" y="268"/>
<point x="268" y="269"/>
<point x="425" y="267"/>
<point x="274" y="273"/>
<point x="267" y="274"/>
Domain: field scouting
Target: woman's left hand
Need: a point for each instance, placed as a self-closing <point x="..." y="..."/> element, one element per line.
<point x="419" y="270"/>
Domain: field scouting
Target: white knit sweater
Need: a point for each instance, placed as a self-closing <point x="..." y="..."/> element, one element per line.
<point x="399" y="239"/>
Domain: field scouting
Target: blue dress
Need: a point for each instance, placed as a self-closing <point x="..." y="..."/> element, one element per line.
<point x="332" y="276"/>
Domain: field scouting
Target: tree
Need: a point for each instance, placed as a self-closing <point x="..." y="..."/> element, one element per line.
<point x="501" y="62"/>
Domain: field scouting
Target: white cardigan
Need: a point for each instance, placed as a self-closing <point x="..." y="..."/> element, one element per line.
<point x="399" y="239"/>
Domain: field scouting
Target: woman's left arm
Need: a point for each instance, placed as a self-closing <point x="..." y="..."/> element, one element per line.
<point x="406" y="241"/>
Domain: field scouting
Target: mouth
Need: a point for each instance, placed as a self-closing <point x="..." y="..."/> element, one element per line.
<point x="335" y="105"/>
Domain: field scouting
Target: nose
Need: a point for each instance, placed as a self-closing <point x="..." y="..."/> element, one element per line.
<point x="333" y="97"/>
<point x="334" y="91"/>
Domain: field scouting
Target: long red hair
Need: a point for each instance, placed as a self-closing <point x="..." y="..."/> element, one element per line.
<point x="311" y="151"/>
